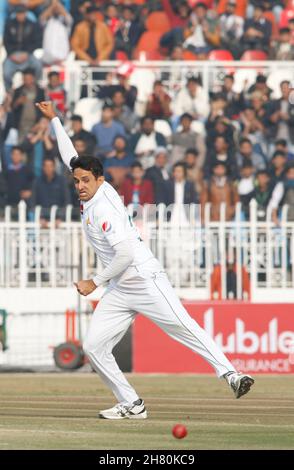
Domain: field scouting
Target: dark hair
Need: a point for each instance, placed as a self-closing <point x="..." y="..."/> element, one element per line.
<point x="262" y="172"/>
<point x="220" y="163"/>
<point x="247" y="165"/>
<point x="282" y="142"/>
<point x="107" y="106"/>
<point x="285" y="81"/>
<point x="48" y="158"/>
<point x="192" y="151"/>
<point x="87" y="163"/>
<point x="245" y="140"/>
<point x="261" y="79"/>
<point x="29" y="71"/>
<point x="284" y="30"/>
<point x="53" y="73"/>
<point x="17" y="147"/>
<point x="186" y="116"/>
<point x="137" y="165"/>
<point x="279" y="153"/>
<point x="77" y="117"/>
<point x="144" y="118"/>
<point x="180" y="165"/>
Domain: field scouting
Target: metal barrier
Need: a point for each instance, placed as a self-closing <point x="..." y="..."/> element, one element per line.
<point x="191" y="252"/>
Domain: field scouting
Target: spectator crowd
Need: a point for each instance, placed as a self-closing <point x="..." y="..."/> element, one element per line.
<point x="221" y="146"/>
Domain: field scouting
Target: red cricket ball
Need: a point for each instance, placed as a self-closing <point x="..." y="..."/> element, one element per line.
<point x="180" y="431"/>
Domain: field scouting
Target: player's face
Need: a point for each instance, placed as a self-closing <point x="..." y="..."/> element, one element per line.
<point x="86" y="184"/>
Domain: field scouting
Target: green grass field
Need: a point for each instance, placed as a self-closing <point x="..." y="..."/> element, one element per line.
<point x="59" y="411"/>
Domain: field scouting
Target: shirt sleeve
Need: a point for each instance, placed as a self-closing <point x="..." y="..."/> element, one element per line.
<point x="65" y="145"/>
<point x="122" y="259"/>
<point x="277" y="196"/>
<point x="113" y="227"/>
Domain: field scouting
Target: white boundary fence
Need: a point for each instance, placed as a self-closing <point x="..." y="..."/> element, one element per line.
<point x="55" y="257"/>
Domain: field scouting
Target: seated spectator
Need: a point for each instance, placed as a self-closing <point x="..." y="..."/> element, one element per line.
<point x="128" y="31"/>
<point x="55" y="92"/>
<point x="3" y="191"/>
<point x="50" y="189"/>
<point x="186" y="138"/>
<point x="280" y="116"/>
<point x="119" y="162"/>
<point x="19" y="178"/>
<point x="111" y="18"/>
<point x="257" y="31"/>
<point x="92" y="40"/>
<point x="39" y="144"/>
<point x="278" y="166"/>
<point x="122" y="113"/>
<point x="252" y="126"/>
<point x="282" y="145"/>
<point x="78" y="11"/>
<point x="130" y="91"/>
<point x="282" y="48"/>
<point x="178" y="189"/>
<point x="262" y="193"/>
<point x="177" y="12"/>
<point x="246" y="154"/>
<point x="77" y="132"/>
<point x="144" y="143"/>
<point x="36" y="6"/>
<point x="219" y="126"/>
<point x="192" y="99"/>
<point x="136" y="190"/>
<point x="203" y="31"/>
<point x="158" y="105"/>
<point x="221" y="153"/>
<point x="21" y="37"/>
<point x="283" y="194"/>
<point x="261" y="87"/>
<point x="25" y="113"/>
<point x="217" y="190"/>
<point x="231" y="27"/>
<point x="158" y="174"/>
<point x="6" y="129"/>
<point x="194" y="172"/>
<point x="57" y="23"/>
<point x="276" y="6"/>
<point x="106" y="130"/>
<point x="246" y="186"/>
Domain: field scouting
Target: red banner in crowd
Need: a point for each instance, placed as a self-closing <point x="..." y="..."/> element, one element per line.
<point x="256" y="338"/>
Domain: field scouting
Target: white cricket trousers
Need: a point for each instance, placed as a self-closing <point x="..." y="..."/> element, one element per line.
<point x="146" y="289"/>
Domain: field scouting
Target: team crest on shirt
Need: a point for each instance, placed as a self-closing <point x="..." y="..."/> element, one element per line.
<point x="106" y="226"/>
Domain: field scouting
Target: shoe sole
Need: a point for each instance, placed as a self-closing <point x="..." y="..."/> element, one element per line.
<point x="244" y="387"/>
<point x="138" y="416"/>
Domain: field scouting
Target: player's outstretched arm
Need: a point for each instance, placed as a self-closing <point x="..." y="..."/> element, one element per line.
<point x="65" y="146"/>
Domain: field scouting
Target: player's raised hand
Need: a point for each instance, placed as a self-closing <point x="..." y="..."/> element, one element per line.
<point x="85" y="287"/>
<point x="47" y="109"/>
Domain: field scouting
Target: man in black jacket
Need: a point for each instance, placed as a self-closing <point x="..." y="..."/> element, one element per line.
<point x="21" y="38"/>
<point x="158" y="174"/>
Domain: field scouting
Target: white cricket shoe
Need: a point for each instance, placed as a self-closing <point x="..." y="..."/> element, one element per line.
<point x="135" y="410"/>
<point x="239" y="383"/>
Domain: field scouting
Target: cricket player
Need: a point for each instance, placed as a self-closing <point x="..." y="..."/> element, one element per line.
<point x="136" y="283"/>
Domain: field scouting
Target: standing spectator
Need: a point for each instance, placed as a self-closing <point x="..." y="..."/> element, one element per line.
<point x="194" y="172"/>
<point x="234" y="101"/>
<point x="50" y="189"/>
<point x="221" y="153"/>
<point x="57" y="24"/>
<point x="19" y="178"/>
<point x="262" y="193"/>
<point x="78" y="9"/>
<point x="219" y="189"/>
<point x="203" y="31"/>
<point x="257" y="31"/>
<point x="128" y="31"/>
<point x="278" y="166"/>
<point x="158" y="174"/>
<point x="186" y="138"/>
<point x="106" y="130"/>
<point x="283" y="193"/>
<point x="144" y="143"/>
<point x="21" y="37"/>
<point x="136" y="190"/>
<point x="122" y="113"/>
<point x="92" y="40"/>
<point x="77" y="132"/>
<point x="246" y="154"/>
<point x="39" y="144"/>
<point x="81" y="146"/>
<point x="6" y="129"/>
<point x="55" y="92"/>
<point x="36" y="6"/>
<point x="158" y="105"/>
<point x="246" y="186"/>
<point x="280" y="116"/>
<point x="282" y="48"/>
<point x="231" y="27"/>
<point x="3" y="191"/>
<point x="282" y="144"/>
<point x="23" y="104"/>
<point x="192" y="99"/>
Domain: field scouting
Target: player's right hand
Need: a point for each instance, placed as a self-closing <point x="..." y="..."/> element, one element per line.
<point x="47" y="109"/>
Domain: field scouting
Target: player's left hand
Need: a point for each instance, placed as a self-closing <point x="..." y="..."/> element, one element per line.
<point x="85" y="287"/>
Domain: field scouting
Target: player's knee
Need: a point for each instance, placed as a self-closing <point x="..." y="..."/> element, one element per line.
<point x="91" y="347"/>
